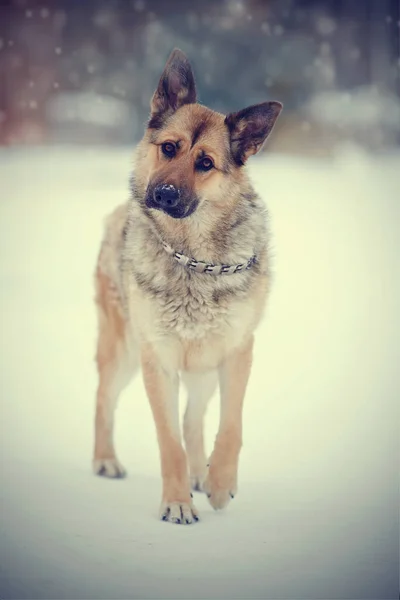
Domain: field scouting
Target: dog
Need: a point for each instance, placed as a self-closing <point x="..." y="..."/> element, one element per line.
<point x="181" y="283"/>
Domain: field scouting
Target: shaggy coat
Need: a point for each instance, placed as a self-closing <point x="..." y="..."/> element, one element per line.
<point x="190" y="195"/>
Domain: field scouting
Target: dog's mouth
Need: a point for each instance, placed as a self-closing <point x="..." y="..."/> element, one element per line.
<point x="176" y="206"/>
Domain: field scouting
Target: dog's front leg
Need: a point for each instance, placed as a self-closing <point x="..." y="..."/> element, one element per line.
<point x="162" y="386"/>
<point x="221" y="482"/>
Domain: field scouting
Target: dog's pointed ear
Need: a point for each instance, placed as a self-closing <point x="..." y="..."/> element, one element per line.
<point x="176" y="86"/>
<point x="250" y="127"/>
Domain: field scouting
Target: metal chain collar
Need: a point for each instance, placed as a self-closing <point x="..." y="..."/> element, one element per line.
<point x="200" y="266"/>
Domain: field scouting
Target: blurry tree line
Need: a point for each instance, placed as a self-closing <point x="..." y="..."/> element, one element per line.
<point x="84" y="71"/>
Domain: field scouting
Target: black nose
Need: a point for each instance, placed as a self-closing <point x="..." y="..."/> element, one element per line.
<point x="166" y="195"/>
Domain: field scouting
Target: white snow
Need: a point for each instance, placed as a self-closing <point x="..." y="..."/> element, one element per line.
<point x="364" y="107"/>
<point x="88" y="107"/>
<point x="316" y="515"/>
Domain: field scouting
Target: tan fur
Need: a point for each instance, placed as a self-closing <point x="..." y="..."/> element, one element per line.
<point x="177" y="323"/>
<point x="162" y="391"/>
<point x="201" y="386"/>
<point x="221" y="483"/>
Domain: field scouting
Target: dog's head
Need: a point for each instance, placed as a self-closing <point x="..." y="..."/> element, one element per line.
<point x="190" y="154"/>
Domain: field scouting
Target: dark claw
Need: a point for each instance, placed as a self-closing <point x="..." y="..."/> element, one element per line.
<point x="177" y="521"/>
<point x="208" y="465"/>
<point x="103" y="473"/>
<point x="208" y="495"/>
<point x="195" y="518"/>
<point x="187" y="521"/>
<point x="231" y="495"/>
<point x="191" y="495"/>
<point x="165" y="515"/>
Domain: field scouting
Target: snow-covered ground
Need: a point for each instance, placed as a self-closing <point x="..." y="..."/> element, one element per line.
<point x="316" y="516"/>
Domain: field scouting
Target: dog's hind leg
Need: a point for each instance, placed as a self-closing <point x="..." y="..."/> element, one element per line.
<point x="116" y="367"/>
<point x="201" y="387"/>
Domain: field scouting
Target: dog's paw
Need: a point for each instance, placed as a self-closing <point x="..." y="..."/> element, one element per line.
<point x="220" y="491"/>
<point x="180" y="513"/>
<point x="109" y="467"/>
<point x="197" y="482"/>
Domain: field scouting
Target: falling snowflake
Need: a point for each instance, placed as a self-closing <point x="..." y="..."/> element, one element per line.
<point x="29" y="14"/>
<point x="265" y="28"/>
<point x="44" y="13"/>
<point x="326" y="26"/>
<point x="354" y="54"/>
<point x="58" y="50"/>
<point x="236" y="8"/>
<point x="139" y="5"/>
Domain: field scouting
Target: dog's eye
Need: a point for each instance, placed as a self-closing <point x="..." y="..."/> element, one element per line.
<point x="169" y="149"/>
<point x="205" y="164"/>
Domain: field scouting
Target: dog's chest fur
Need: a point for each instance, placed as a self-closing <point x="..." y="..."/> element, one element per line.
<point x="198" y="316"/>
<point x="184" y="303"/>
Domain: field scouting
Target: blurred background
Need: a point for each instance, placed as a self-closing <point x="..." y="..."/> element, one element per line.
<point x="317" y="514"/>
<point x="83" y="72"/>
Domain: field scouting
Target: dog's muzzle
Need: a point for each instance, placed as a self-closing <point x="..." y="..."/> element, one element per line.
<point x="169" y="199"/>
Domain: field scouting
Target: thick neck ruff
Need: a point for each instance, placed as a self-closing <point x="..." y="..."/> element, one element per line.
<point x="200" y="266"/>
